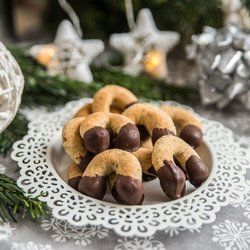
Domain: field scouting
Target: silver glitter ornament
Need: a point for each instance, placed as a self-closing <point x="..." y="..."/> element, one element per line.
<point x="223" y="60"/>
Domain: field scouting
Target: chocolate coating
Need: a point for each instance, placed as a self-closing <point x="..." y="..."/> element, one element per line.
<point x="96" y="139"/>
<point x="159" y="132"/>
<point x="73" y="182"/>
<point x="177" y="163"/>
<point x="144" y="135"/>
<point x="197" y="170"/>
<point x="172" y="180"/>
<point x="128" y="190"/>
<point x="128" y="138"/>
<point x="191" y="135"/>
<point x="95" y="187"/>
<point x="85" y="161"/>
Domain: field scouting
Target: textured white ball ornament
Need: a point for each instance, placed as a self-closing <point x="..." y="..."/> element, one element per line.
<point x="11" y="87"/>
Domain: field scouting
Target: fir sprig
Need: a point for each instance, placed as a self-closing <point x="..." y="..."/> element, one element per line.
<point x="147" y="88"/>
<point x="16" y="131"/>
<point x="13" y="201"/>
<point x="49" y="91"/>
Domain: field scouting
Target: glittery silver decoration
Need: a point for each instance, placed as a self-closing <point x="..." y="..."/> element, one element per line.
<point x="223" y="61"/>
<point x="11" y="87"/>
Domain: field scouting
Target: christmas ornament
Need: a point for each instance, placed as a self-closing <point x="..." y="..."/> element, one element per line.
<point x="11" y="87"/>
<point x="145" y="47"/>
<point x="68" y="55"/>
<point x="223" y="61"/>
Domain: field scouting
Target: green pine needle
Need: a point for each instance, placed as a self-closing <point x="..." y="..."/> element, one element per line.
<point x="16" y="131"/>
<point x="13" y="202"/>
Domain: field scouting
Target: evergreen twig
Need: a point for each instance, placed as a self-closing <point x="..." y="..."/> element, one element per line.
<point x="49" y="91"/>
<point x="13" y="201"/>
<point x="16" y="131"/>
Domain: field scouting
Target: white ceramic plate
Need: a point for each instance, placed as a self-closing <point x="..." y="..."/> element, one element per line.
<point x="44" y="165"/>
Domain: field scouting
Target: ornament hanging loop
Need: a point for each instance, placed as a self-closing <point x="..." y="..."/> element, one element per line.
<point x="72" y="15"/>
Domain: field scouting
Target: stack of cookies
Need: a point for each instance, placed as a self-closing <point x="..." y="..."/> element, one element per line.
<point x="118" y="142"/>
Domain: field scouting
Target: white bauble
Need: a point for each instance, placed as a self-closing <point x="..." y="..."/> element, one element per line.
<point x="11" y="87"/>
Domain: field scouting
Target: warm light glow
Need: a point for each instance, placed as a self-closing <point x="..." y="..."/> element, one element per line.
<point x="154" y="63"/>
<point x="46" y="54"/>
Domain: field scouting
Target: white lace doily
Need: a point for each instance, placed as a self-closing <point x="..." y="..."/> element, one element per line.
<point x="225" y="183"/>
<point x="11" y="87"/>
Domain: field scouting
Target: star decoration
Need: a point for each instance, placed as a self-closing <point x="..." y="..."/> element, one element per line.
<point x="145" y="47"/>
<point x="68" y="55"/>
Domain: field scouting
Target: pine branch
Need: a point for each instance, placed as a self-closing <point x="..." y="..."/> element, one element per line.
<point x="13" y="202"/>
<point x="149" y="89"/>
<point x="42" y="89"/>
<point x="16" y="131"/>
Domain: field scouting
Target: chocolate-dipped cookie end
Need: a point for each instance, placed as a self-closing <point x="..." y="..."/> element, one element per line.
<point x="128" y="138"/>
<point x="128" y="190"/>
<point x="96" y="139"/>
<point x="192" y="135"/>
<point x="159" y="132"/>
<point x="73" y="182"/>
<point x="95" y="187"/>
<point x="172" y="180"/>
<point x="197" y="170"/>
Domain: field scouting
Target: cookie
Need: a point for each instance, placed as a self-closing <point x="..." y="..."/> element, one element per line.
<point x="144" y="156"/>
<point x="156" y="121"/>
<point x="72" y="141"/>
<point x="112" y="95"/>
<point x="189" y="126"/>
<point x="98" y="128"/>
<point x="87" y="110"/>
<point x="128" y="187"/>
<point x="172" y="178"/>
<point x="84" y="111"/>
<point x="74" y="175"/>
